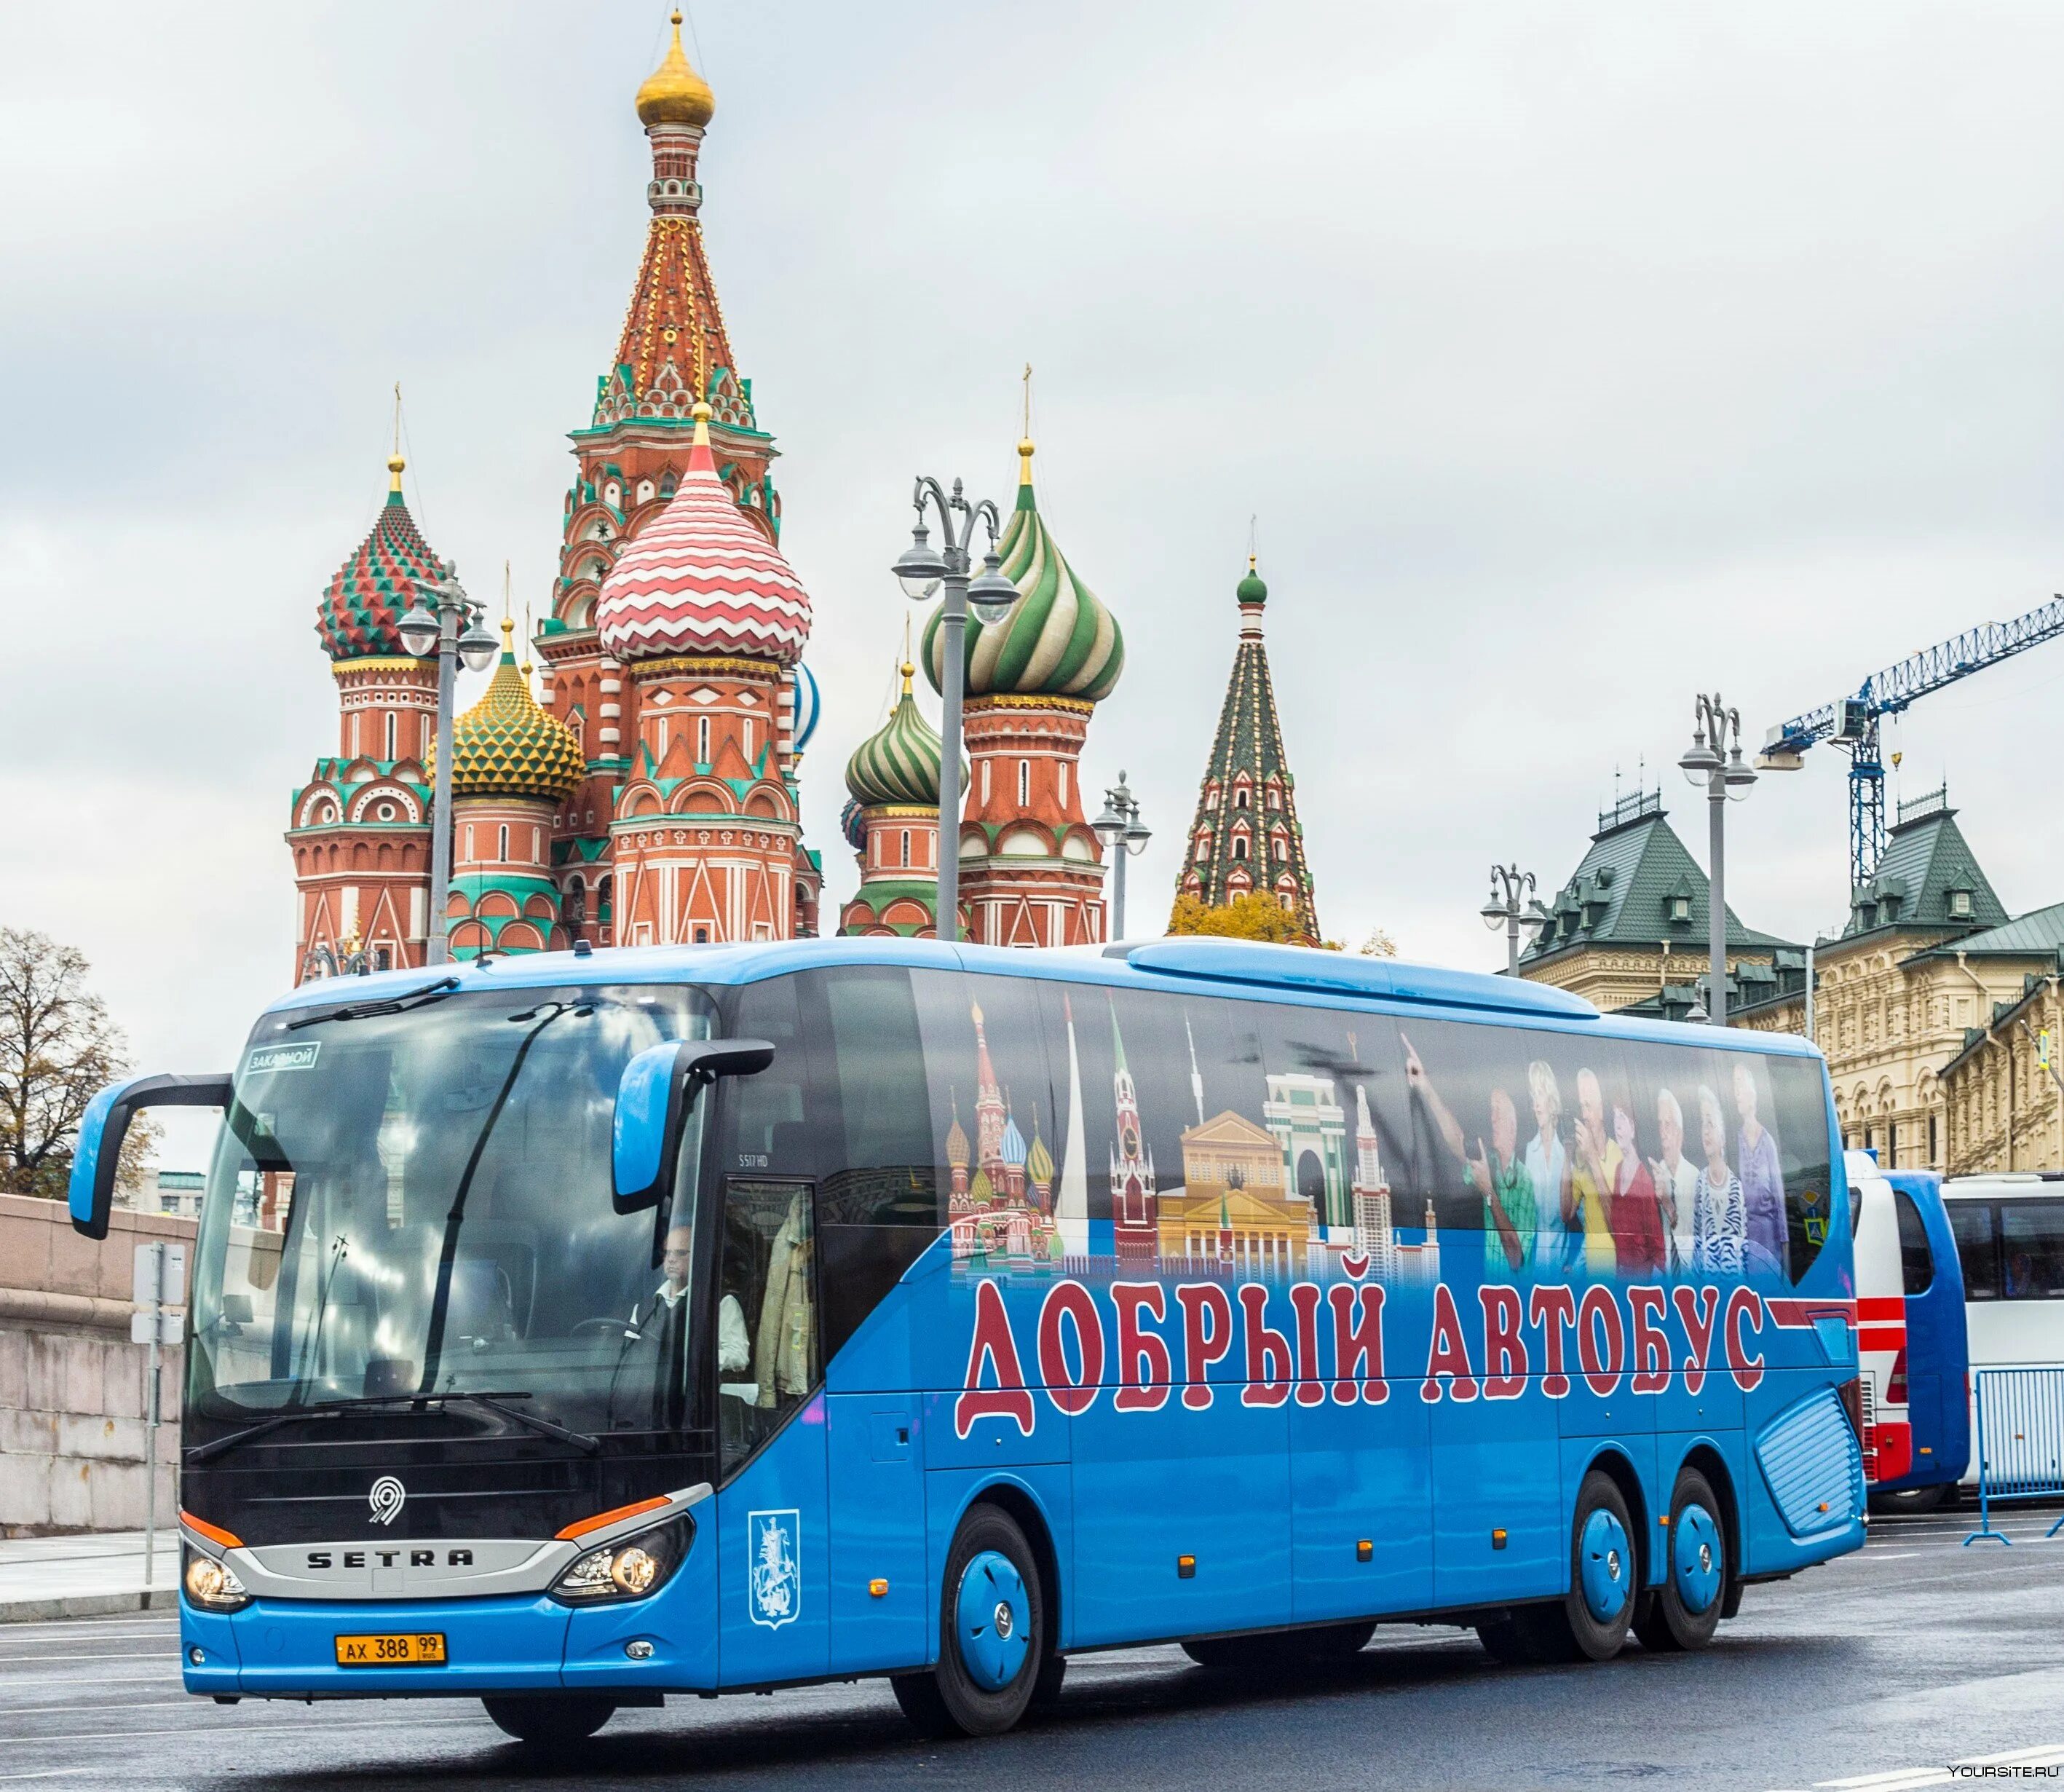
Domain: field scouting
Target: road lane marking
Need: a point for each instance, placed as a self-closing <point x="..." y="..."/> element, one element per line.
<point x="1905" y="1779"/>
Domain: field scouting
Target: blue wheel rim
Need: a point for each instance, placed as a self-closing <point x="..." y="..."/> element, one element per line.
<point x="1697" y="1559"/>
<point x="1608" y="1566"/>
<point x="993" y="1620"/>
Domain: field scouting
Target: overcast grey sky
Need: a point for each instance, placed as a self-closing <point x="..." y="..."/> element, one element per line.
<point x="1572" y="358"/>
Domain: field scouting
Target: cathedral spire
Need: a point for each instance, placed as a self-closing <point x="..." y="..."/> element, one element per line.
<point x="1246" y="837"/>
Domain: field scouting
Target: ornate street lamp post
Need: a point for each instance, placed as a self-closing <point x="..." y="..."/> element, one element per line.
<point x="425" y="631"/>
<point x="1124" y="836"/>
<point x="1715" y="760"/>
<point x="922" y="569"/>
<point x="1509" y="888"/>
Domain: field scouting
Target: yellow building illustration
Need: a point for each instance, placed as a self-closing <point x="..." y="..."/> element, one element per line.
<point x="1233" y="1207"/>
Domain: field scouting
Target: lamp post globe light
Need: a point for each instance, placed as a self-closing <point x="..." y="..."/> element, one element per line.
<point x="1124" y="836"/>
<point x="1509" y="888"/>
<point x="922" y="569"/>
<point x="425" y="630"/>
<point x="1715" y="760"/>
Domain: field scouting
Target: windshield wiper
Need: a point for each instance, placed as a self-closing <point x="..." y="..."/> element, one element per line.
<point x="496" y="1402"/>
<point x="393" y="1005"/>
<point x="544" y="1427"/>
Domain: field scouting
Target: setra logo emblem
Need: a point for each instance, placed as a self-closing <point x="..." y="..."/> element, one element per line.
<point x="773" y="1576"/>
<point x="386" y="1499"/>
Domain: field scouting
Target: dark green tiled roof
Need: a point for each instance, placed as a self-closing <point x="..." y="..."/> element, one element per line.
<point x="2039" y="933"/>
<point x="1926" y="862"/>
<point x="1622" y="893"/>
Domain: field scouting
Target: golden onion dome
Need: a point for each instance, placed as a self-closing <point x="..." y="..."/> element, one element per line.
<point x="508" y="745"/>
<point x="673" y="93"/>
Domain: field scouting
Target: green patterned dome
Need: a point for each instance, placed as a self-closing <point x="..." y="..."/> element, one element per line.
<point x="505" y="745"/>
<point x="899" y="762"/>
<point x="1058" y="639"/>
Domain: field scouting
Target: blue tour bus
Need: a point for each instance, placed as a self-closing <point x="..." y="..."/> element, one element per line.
<point x="573" y="1329"/>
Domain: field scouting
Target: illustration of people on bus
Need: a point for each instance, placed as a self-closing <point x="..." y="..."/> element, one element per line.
<point x="1676" y="1180"/>
<point x="1595" y="1200"/>
<point x="1762" y="1179"/>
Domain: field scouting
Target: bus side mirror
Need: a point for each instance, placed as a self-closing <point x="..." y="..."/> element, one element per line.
<point x="99" y="1153"/>
<point x="653" y="1099"/>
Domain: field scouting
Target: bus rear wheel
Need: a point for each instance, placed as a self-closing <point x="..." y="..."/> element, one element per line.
<point x="1684" y="1611"/>
<point x="551" y="1722"/>
<point x="992" y="1643"/>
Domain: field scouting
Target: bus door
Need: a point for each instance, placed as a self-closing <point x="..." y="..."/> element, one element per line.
<point x="772" y="1510"/>
<point x="1934" y="1362"/>
<point x="879" y="1212"/>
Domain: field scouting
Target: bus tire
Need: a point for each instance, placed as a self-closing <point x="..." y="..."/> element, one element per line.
<point x="551" y="1722"/>
<point x="1685" y="1610"/>
<point x="993" y="1642"/>
<point x="1046" y="1689"/>
<point x="1592" y="1622"/>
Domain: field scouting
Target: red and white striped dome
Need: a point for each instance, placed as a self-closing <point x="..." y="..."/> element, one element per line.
<point x="702" y="578"/>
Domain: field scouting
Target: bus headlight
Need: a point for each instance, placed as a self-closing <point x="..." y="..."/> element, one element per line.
<point x="629" y="1568"/>
<point x="213" y="1585"/>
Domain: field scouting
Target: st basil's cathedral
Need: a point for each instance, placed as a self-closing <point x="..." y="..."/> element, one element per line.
<point x="639" y="785"/>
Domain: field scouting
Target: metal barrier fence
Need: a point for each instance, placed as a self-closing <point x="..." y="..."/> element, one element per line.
<point x="2021" y="1441"/>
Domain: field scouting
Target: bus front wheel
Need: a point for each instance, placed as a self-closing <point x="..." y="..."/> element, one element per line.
<point x="1682" y="1613"/>
<point x="550" y="1723"/>
<point x="992" y="1643"/>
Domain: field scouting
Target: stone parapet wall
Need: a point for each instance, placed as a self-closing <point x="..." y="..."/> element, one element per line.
<point x="72" y="1393"/>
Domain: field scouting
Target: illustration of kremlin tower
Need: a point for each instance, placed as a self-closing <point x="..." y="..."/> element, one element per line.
<point x="1031" y="870"/>
<point x="513" y="766"/>
<point x="1134" y="1213"/>
<point x="1002" y="1217"/>
<point x="1247" y="837"/>
<point x="674" y="658"/>
<point x="360" y="827"/>
<point x="892" y="825"/>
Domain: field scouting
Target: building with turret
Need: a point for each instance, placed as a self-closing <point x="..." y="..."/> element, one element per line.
<point x="1245" y="836"/>
<point x="1629" y="927"/>
<point x="892" y="825"/>
<point x="671" y="662"/>
<point x="513" y="765"/>
<point x="1031" y="867"/>
<point x="360" y="829"/>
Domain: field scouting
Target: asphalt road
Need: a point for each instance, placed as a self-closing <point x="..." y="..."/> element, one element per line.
<point x="1877" y="1672"/>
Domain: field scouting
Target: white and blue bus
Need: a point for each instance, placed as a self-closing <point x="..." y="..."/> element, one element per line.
<point x="574" y="1330"/>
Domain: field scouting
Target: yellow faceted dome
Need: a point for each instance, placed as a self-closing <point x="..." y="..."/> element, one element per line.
<point x="507" y="746"/>
<point x="673" y="93"/>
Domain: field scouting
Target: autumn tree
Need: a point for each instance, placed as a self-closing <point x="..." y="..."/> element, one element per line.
<point x="1253" y="916"/>
<point x="58" y="1049"/>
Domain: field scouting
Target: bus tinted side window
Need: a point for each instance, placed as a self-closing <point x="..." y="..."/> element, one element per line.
<point x="1978" y="1248"/>
<point x="1916" y="1262"/>
<point x="1797" y="1118"/>
<point x="877" y="1197"/>
<point x="2032" y="1249"/>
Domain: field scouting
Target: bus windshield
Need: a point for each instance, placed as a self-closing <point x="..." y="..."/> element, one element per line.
<point x="413" y="1199"/>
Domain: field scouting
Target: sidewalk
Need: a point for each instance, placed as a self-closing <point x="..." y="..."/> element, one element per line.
<point x="84" y="1576"/>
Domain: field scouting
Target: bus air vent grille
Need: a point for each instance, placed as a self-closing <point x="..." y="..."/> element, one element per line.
<point x="1812" y="1465"/>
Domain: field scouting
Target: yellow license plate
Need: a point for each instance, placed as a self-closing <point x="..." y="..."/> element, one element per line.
<point x="419" y="1649"/>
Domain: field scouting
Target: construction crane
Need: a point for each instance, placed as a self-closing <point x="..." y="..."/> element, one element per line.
<point x="1852" y="723"/>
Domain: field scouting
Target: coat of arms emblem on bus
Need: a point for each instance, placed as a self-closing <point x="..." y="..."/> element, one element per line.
<point x="773" y="1576"/>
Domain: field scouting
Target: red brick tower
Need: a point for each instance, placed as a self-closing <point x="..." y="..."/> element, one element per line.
<point x="1031" y="867"/>
<point x="360" y="832"/>
<point x="672" y="354"/>
<point x="709" y="618"/>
